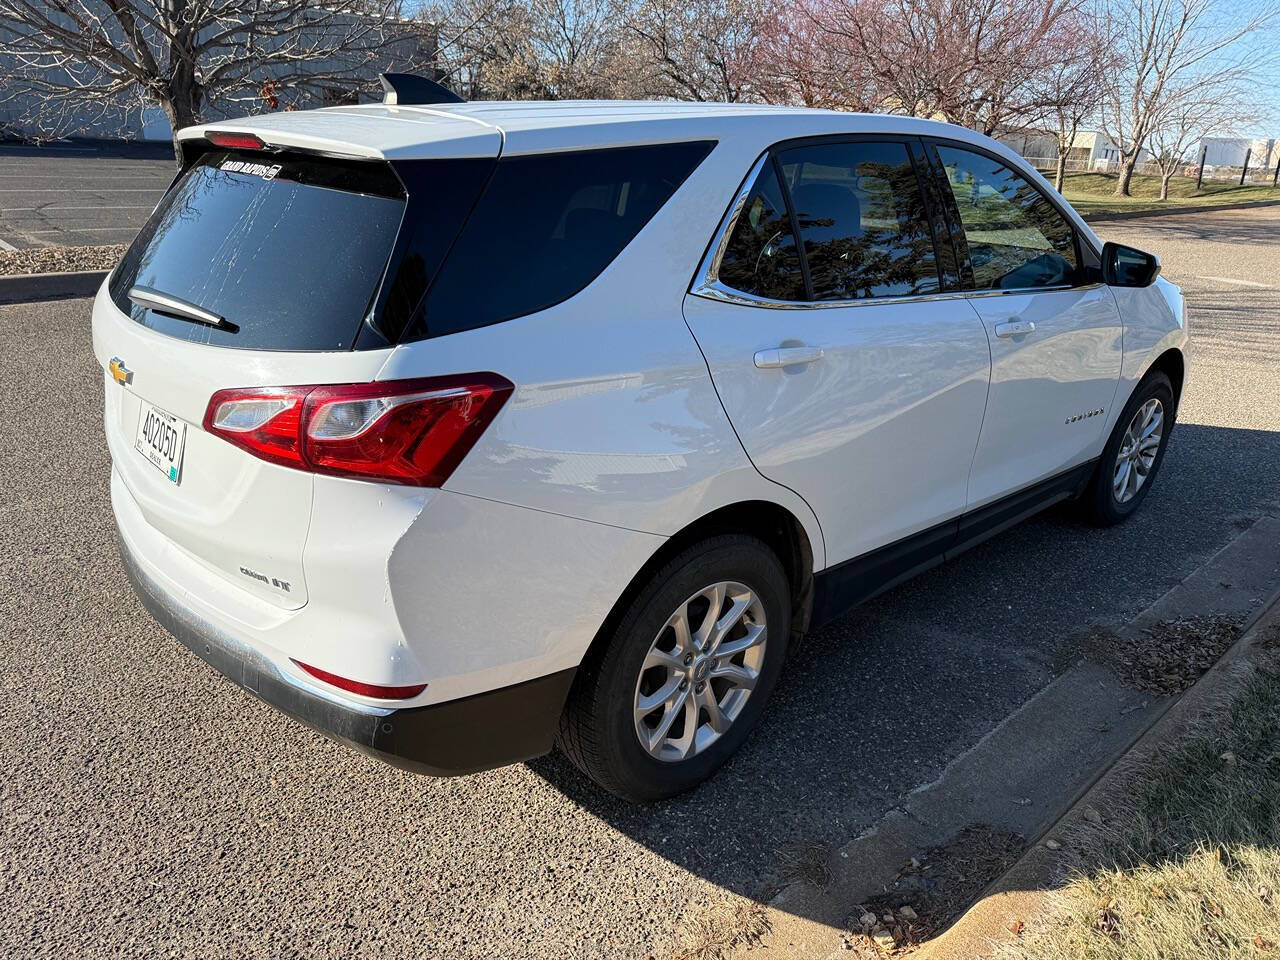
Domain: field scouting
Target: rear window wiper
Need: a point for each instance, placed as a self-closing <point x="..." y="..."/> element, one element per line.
<point x="172" y="306"/>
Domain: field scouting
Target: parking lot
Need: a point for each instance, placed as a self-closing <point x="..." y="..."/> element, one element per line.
<point x="150" y="807"/>
<point x="79" y="193"/>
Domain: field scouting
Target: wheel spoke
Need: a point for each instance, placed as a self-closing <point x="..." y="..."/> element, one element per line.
<point x="672" y="711"/>
<point x="670" y="659"/>
<point x="1122" y="478"/>
<point x="739" y="676"/>
<point x="689" y="739"/>
<point x="706" y="632"/>
<point x="648" y="703"/>
<point x="726" y="623"/>
<point x="679" y="624"/>
<point x="731" y="648"/>
<point x="715" y="716"/>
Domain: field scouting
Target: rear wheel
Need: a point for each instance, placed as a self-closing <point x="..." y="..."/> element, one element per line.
<point x="1133" y="453"/>
<point x="678" y="686"/>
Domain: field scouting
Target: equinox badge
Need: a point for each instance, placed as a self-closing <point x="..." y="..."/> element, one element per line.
<point x="119" y="372"/>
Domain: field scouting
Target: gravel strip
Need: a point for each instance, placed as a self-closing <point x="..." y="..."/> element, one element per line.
<point x="61" y="259"/>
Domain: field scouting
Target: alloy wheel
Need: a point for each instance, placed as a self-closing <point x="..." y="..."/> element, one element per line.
<point x="700" y="670"/>
<point x="1138" y="451"/>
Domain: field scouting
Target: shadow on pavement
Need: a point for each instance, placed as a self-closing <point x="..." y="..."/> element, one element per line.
<point x="878" y="703"/>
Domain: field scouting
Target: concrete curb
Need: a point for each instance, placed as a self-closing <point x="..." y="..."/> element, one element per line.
<point x="1020" y="894"/>
<point x="33" y="287"/>
<point x="1173" y="211"/>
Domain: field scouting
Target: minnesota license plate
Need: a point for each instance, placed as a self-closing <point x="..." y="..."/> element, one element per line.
<point x="161" y="437"/>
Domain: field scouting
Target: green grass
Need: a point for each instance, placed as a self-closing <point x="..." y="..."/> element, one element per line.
<point x="1186" y="865"/>
<point x="1095" y="193"/>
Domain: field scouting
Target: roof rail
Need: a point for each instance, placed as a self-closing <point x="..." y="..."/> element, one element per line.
<point x="407" y="89"/>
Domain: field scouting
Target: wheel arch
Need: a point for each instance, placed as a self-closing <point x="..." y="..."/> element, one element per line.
<point x="773" y="524"/>
<point x="1174" y="366"/>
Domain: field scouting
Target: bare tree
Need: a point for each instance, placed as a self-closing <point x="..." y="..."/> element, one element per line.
<point x="1070" y="83"/>
<point x="532" y="49"/>
<point x="183" y="55"/>
<point x="699" y="49"/>
<point x="1190" y="113"/>
<point x="1168" y="45"/>
<point x="799" y="64"/>
<point x="967" y="61"/>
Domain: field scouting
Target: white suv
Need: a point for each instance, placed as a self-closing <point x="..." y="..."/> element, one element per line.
<point x="457" y="430"/>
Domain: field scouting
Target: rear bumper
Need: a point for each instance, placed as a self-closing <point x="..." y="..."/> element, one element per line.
<point x="462" y="736"/>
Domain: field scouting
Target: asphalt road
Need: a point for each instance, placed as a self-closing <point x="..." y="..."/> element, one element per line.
<point x="149" y="807"/>
<point x="79" y="193"/>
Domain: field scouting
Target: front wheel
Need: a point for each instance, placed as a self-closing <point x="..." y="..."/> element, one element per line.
<point x="679" y="685"/>
<point x="1133" y="453"/>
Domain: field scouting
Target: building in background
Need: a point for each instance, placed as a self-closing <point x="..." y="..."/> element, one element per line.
<point x="135" y="117"/>
<point x="1232" y="151"/>
<point x="1090" y="149"/>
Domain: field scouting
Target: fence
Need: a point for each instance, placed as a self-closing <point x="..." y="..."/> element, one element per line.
<point x="1256" y="173"/>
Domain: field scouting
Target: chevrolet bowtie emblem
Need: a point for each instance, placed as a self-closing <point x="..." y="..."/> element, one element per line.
<point x="119" y="372"/>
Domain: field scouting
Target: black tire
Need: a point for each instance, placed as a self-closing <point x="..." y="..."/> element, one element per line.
<point x="598" y="727"/>
<point x="1099" y="502"/>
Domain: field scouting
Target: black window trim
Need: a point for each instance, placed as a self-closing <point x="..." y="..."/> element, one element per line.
<point x="706" y="282"/>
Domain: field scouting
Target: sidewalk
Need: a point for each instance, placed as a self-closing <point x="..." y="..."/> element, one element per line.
<point x="1019" y="899"/>
<point x="938" y="849"/>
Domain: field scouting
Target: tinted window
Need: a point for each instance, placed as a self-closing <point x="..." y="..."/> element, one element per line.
<point x="760" y="257"/>
<point x="290" y="250"/>
<point x="546" y="226"/>
<point x="1016" y="237"/>
<point x="862" y="220"/>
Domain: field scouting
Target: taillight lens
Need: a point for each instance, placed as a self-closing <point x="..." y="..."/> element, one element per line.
<point x="400" y="431"/>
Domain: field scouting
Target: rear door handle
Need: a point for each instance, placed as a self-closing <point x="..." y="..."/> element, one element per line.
<point x="1014" y="328"/>
<point x="787" y="356"/>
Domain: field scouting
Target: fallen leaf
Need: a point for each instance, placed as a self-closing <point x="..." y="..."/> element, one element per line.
<point x="1016" y="928"/>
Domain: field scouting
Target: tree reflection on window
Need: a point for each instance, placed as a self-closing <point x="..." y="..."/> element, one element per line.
<point x="862" y="220"/>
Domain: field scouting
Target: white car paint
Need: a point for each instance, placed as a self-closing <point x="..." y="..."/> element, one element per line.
<point x="616" y="437"/>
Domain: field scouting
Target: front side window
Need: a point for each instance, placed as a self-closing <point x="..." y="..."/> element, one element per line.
<point x="862" y="219"/>
<point x="1017" y="239"/>
<point x="761" y="257"/>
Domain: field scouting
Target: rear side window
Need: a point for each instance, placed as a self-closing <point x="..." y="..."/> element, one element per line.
<point x="761" y="257"/>
<point x="545" y="227"/>
<point x="1017" y="239"/>
<point x="290" y="250"/>
<point x="862" y="220"/>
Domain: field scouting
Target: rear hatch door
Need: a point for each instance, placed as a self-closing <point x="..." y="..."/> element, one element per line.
<point x="270" y="261"/>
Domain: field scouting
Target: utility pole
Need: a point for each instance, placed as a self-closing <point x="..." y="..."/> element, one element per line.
<point x="1244" y="172"/>
<point x="1204" y="152"/>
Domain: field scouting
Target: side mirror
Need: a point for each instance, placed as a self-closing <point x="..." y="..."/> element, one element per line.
<point x="1127" y="267"/>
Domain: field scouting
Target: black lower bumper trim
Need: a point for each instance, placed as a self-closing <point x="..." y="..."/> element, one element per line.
<point x="476" y="733"/>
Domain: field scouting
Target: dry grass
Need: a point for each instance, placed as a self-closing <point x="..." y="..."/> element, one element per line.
<point x="718" y="929"/>
<point x="1095" y="192"/>
<point x="1186" y="864"/>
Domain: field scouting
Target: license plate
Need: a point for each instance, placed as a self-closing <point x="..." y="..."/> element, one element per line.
<point x="161" y="437"/>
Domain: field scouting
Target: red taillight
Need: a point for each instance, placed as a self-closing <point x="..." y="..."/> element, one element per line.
<point x="234" y="141"/>
<point x="400" y="431"/>
<point x="363" y="689"/>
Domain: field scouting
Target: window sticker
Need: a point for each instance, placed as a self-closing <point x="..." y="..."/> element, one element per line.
<point x="251" y="168"/>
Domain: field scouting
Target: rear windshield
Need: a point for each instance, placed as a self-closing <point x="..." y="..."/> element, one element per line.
<point x="545" y="227"/>
<point x="290" y="250"/>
